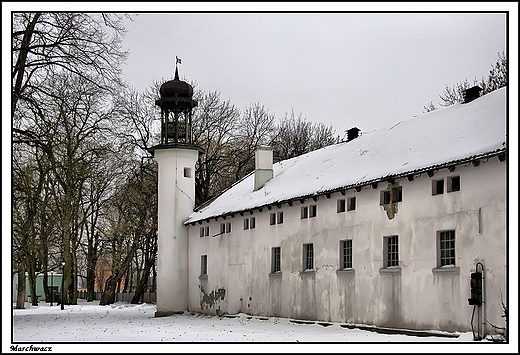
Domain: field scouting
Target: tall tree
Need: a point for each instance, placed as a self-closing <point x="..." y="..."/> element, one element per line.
<point x="84" y="44"/>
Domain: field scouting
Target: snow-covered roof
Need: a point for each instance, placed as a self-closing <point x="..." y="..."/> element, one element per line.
<point x="449" y="135"/>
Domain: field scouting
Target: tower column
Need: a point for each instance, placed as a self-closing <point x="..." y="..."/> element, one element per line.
<point x="176" y="201"/>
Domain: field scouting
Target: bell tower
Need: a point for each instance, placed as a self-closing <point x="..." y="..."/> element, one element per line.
<point x="176" y="157"/>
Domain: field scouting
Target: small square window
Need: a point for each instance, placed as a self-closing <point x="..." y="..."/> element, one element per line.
<point x="203" y="265"/>
<point x="341" y="206"/>
<point x="312" y="211"/>
<point x="272" y="219"/>
<point x="453" y="183"/>
<point x="437" y="187"/>
<point x="187" y="172"/>
<point x="446" y="248"/>
<point x="346" y="254"/>
<point x="391" y="251"/>
<point x="305" y="212"/>
<point x="246" y="223"/>
<point x="228" y="227"/>
<point x="351" y="203"/>
<point x="279" y="217"/>
<point x="308" y="256"/>
<point x="252" y="222"/>
<point x="276" y="259"/>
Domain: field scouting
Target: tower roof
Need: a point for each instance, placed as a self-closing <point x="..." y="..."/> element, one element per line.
<point x="176" y="87"/>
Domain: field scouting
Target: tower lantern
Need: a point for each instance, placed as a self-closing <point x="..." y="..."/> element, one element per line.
<point x="176" y="105"/>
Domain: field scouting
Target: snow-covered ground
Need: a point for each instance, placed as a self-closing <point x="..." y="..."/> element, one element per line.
<point x="123" y="327"/>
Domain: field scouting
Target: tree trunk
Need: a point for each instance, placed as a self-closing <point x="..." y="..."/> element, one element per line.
<point x="109" y="294"/>
<point x="32" y="282"/>
<point x="20" y="299"/>
<point x="140" y="289"/>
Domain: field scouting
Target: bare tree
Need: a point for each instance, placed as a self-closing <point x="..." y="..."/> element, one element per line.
<point x="497" y="78"/>
<point x="255" y="127"/>
<point x="214" y="124"/>
<point x="132" y="218"/>
<point x="296" y="136"/>
<point x="83" y="44"/>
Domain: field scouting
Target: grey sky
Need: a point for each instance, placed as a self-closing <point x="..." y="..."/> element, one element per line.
<point x="368" y="70"/>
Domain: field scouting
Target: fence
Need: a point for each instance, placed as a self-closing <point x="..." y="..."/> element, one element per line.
<point x="148" y="297"/>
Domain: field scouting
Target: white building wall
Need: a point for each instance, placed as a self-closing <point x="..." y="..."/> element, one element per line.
<point x="418" y="297"/>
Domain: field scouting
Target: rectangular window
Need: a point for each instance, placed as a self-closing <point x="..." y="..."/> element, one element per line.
<point x="252" y="223"/>
<point x="276" y="259"/>
<point x="280" y="217"/>
<point x="187" y="172"/>
<point x="246" y="223"/>
<point x="346" y="254"/>
<point x="437" y="187"/>
<point x="222" y="228"/>
<point x="385" y="197"/>
<point x="206" y="231"/>
<point x="453" y="183"/>
<point x="312" y="211"/>
<point x="341" y="206"/>
<point x="308" y="257"/>
<point x="203" y="265"/>
<point x="393" y="195"/>
<point x="391" y="250"/>
<point x="201" y="232"/>
<point x="305" y="212"/>
<point x="397" y="194"/>
<point x="351" y="204"/>
<point x="228" y="227"/>
<point x="446" y="248"/>
<point x="272" y="219"/>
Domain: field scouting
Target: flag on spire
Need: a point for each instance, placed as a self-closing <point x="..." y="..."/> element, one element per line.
<point x="178" y="60"/>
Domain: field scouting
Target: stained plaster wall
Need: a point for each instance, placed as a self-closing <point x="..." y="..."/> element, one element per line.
<point x="416" y="295"/>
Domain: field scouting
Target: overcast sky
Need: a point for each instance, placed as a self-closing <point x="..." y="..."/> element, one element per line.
<point x="343" y="69"/>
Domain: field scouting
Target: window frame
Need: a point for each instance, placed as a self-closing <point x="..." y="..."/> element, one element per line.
<point x="313" y="211"/>
<point x="272" y="219"/>
<point x="351" y="203"/>
<point x="252" y="223"/>
<point x="187" y="172"/>
<point x="279" y="217"/>
<point x="446" y="255"/>
<point x="345" y="257"/>
<point x="341" y="205"/>
<point x="228" y="227"/>
<point x="246" y="223"/>
<point x="435" y="187"/>
<point x="450" y="187"/>
<point x="222" y="228"/>
<point x="276" y="259"/>
<point x="203" y="265"/>
<point x="391" y="251"/>
<point x="308" y="257"/>
<point x="305" y="212"/>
